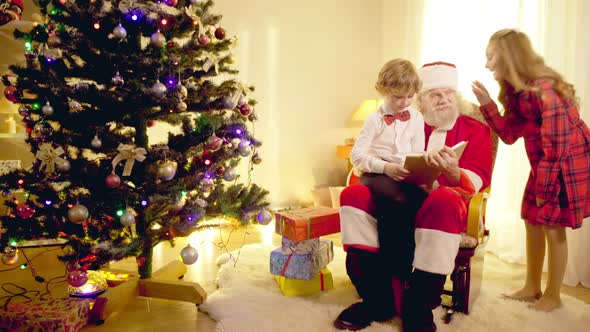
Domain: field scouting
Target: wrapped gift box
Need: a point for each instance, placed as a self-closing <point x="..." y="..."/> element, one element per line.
<point x="301" y="266"/>
<point x="299" y="247"/>
<point x="56" y="314"/>
<point x="295" y="287"/>
<point x="307" y="223"/>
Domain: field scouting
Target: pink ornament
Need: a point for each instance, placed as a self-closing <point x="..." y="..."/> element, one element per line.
<point x="24" y="211"/>
<point x="77" y="278"/>
<point x="204" y="39"/>
<point x="245" y="109"/>
<point x="214" y="143"/>
<point x="112" y="180"/>
<point x="12" y="93"/>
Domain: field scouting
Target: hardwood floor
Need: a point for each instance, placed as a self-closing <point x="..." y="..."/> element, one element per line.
<point x="148" y="314"/>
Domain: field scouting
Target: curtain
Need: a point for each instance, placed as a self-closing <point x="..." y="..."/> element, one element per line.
<point x="559" y="32"/>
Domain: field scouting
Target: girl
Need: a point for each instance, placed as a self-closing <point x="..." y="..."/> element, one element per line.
<point x="542" y="108"/>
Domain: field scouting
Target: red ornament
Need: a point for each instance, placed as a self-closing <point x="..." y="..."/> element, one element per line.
<point x="219" y="33"/>
<point x="112" y="180"/>
<point x="151" y="123"/>
<point x="171" y="44"/>
<point x="220" y="170"/>
<point x="172" y="3"/>
<point x="12" y="93"/>
<point x="245" y="109"/>
<point x="24" y="211"/>
<point x="77" y="278"/>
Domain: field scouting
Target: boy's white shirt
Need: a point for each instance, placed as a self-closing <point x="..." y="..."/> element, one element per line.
<point x="379" y="143"/>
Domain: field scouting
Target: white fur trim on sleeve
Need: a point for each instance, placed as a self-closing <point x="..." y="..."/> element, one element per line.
<point x="475" y="179"/>
<point x="358" y="227"/>
<point x="435" y="251"/>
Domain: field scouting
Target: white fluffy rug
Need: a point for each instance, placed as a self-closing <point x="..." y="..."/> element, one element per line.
<point x="248" y="299"/>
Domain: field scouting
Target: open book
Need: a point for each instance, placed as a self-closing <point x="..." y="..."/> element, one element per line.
<point x="422" y="173"/>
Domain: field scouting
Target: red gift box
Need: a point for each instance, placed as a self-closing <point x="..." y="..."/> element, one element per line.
<point x="307" y="223"/>
<point x="56" y="314"/>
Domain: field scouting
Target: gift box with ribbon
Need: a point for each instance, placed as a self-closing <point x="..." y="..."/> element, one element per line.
<point x="295" y="287"/>
<point x="299" y="247"/>
<point x="307" y="223"/>
<point x="302" y="266"/>
<point x="56" y="314"/>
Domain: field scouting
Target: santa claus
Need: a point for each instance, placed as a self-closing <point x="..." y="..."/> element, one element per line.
<point x="10" y="10"/>
<point x="390" y="243"/>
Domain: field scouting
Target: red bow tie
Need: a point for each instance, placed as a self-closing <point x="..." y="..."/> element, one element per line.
<point x="402" y="116"/>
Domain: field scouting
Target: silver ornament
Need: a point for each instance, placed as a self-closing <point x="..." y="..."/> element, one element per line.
<point x="182" y="91"/>
<point x="181" y="106"/>
<point x="158" y="89"/>
<point x="196" y="2"/>
<point x="128" y="218"/>
<point x="264" y="217"/>
<point x="189" y="255"/>
<point x="245" y="151"/>
<point x="229" y="174"/>
<point x="256" y="159"/>
<point x="253" y="117"/>
<point x="242" y="100"/>
<point x="96" y="142"/>
<point x="23" y="110"/>
<point x="157" y="39"/>
<point x="228" y="102"/>
<point x="64" y="166"/>
<point x="206" y="184"/>
<point x="78" y="213"/>
<point x="244" y="146"/>
<point x="167" y="170"/>
<point x="120" y="32"/>
<point x="117" y="79"/>
<point x="47" y="109"/>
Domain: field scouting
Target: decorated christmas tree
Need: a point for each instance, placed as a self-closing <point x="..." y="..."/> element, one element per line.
<point x="97" y="75"/>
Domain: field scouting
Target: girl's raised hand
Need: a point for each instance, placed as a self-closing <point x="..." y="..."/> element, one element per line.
<point x="481" y="93"/>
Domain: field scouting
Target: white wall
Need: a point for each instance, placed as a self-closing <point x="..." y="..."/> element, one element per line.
<point x="312" y="63"/>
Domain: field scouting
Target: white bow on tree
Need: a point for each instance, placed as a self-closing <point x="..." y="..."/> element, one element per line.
<point x="49" y="157"/>
<point x="130" y="154"/>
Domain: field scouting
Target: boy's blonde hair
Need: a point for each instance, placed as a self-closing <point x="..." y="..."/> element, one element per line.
<point x="519" y="64"/>
<point x="398" y="77"/>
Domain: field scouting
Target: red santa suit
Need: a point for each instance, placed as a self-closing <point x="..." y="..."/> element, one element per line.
<point x="443" y="215"/>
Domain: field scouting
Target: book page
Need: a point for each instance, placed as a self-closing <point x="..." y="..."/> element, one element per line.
<point x="421" y="173"/>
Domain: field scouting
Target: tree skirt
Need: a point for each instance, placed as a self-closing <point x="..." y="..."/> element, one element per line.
<point x="249" y="299"/>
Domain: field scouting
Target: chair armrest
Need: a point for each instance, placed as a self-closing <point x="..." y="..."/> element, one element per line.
<point x="476" y="214"/>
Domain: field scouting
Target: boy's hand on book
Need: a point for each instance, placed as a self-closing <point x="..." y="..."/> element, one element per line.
<point x="396" y="171"/>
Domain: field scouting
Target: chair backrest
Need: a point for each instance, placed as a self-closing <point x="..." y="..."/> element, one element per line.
<point x="476" y="114"/>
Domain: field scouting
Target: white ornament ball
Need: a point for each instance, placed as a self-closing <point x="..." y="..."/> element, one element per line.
<point x="264" y="217"/>
<point x="167" y="170"/>
<point x="157" y="39"/>
<point x="158" y="89"/>
<point x="245" y="151"/>
<point x="47" y="109"/>
<point x="128" y="218"/>
<point x="64" y="166"/>
<point x="229" y="174"/>
<point x="189" y="255"/>
<point x="96" y="142"/>
<point x="120" y="32"/>
<point x="78" y="213"/>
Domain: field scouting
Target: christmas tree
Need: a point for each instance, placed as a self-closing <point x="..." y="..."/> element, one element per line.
<point x="97" y="75"/>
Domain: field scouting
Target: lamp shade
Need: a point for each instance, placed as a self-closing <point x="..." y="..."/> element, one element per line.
<point x="367" y="107"/>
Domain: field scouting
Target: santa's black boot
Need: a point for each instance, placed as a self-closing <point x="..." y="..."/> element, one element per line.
<point x="423" y="295"/>
<point x="372" y="285"/>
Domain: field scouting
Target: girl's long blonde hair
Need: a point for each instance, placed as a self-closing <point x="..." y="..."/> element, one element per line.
<point x="519" y="64"/>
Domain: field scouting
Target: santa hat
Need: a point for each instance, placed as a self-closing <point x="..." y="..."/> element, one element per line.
<point x="438" y="75"/>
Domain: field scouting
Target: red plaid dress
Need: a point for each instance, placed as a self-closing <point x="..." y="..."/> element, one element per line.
<point x="557" y="143"/>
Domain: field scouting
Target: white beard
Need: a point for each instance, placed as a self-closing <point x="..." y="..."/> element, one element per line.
<point x="440" y="119"/>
